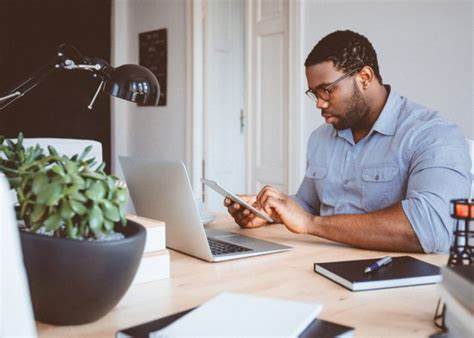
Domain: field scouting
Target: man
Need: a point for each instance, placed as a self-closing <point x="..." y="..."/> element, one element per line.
<point x="381" y="172"/>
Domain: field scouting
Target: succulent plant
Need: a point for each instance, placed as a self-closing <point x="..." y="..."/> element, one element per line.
<point x="63" y="196"/>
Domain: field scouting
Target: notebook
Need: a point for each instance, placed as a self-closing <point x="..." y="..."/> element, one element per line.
<point x="317" y="328"/>
<point x="242" y="315"/>
<point x="402" y="271"/>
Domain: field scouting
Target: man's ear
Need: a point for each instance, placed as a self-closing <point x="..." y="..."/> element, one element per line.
<point x="366" y="75"/>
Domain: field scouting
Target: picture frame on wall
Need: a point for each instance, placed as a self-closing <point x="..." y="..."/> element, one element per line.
<point x="153" y="54"/>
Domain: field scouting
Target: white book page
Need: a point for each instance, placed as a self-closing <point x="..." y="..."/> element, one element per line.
<point x="238" y="315"/>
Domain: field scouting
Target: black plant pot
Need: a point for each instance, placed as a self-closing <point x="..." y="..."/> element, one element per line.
<point x="75" y="281"/>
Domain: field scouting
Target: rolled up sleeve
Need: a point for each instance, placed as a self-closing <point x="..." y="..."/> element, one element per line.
<point x="438" y="173"/>
<point x="307" y="197"/>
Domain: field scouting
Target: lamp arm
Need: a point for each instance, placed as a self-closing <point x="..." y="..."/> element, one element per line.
<point x="27" y="85"/>
<point x="61" y="62"/>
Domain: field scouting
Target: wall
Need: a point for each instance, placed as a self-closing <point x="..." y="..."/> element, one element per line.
<point x="31" y="32"/>
<point x="155" y="132"/>
<point x="424" y="48"/>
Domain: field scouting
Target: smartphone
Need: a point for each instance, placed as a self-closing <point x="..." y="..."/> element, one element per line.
<point x="226" y="193"/>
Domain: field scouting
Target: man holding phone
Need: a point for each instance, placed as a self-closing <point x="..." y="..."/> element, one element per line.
<point x="382" y="170"/>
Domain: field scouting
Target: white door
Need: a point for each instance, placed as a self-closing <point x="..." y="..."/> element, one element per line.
<point x="224" y="88"/>
<point x="268" y="93"/>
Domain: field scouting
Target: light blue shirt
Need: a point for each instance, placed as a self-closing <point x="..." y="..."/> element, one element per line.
<point x="411" y="155"/>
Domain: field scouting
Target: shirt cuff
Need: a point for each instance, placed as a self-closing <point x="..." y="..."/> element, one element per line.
<point x="428" y="225"/>
<point x="304" y="205"/>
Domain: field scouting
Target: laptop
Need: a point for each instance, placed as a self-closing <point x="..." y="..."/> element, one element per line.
<point x="162" y="190"/>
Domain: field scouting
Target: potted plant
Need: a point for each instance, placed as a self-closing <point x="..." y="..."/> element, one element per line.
<point x="80" y="252"/>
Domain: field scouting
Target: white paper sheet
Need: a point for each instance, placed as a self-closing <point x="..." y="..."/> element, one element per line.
<point x="239" y="315"/>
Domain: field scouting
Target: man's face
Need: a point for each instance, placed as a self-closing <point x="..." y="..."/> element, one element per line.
<point x="346" y="106"/>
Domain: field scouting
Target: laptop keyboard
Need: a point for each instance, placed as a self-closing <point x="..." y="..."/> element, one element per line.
<point x="221" y="248"/>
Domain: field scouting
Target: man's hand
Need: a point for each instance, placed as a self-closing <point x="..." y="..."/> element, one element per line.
<point x="283" y="209"/>
<point x="244" y="217"/>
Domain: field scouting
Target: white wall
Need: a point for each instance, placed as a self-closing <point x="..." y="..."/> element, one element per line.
<point x="155" y="132"/>
<point x="424" y="49"/>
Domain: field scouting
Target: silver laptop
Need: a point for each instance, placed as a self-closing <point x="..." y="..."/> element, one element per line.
<point x="161" y="190"/>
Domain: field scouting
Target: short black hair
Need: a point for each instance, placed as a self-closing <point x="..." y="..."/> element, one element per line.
<point x="347" y="50"/>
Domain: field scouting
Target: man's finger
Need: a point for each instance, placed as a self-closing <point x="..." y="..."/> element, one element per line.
<point x="272" y="205"/>
<point x="269" y="193"/>
<point x="234" y="208"/>
<point x="262" y="191"/>
<point x="241" y="219"/>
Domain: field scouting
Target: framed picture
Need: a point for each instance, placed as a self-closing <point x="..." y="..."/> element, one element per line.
<point x="153" y="54"/>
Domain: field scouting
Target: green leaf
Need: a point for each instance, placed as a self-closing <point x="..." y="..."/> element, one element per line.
<point x="40" y="182"/>
<point x="90" y="162"/>
<point x="123" y="220"/>
<point x="11" y="144"/>
<point x="52" y="151"/>
<point x="71" y="167"/>
<point x="77" y="196"/>
<point x="50" y="195"/>
<point x="53" y="222"/>
<point x="79" y="181"/>
<point x="58" y="170"/>
<point x="8" y="170"/>
<point x="20" y="138"/>
<point x="66" y="211"/>
<point x="96" y="218"/>
<point x="14" y="182"/>
<point x="96" y="191"/>
<point x="78" y="207"/>
<point x="38" y="212"/>
<point x="72" y="231"/>
<point x="122" y="195"/>
<point x="110" y="183"/>
<point x="86" y="151"/>
<point x="111" y="212"/>
<point x="108" y="225"/>
<point x="93" y="175"/>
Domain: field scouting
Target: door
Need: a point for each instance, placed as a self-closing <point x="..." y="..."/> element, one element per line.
<point x="268" y="93"/>
<point x="224" y="88"/>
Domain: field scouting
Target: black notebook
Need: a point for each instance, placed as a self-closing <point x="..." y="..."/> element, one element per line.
<point x="402" y="271"/>
<point x="317" y="328"/>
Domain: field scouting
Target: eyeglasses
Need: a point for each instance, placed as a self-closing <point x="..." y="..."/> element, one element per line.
<point x="324" y="93"/>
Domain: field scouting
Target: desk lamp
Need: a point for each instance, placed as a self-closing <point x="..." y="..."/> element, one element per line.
<point x="129" y="82"/>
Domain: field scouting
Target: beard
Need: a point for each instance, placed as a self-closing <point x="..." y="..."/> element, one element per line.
<point x="356" y="109"/>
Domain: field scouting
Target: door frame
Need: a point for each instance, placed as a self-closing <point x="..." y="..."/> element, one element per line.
<point x="195" y="11"/>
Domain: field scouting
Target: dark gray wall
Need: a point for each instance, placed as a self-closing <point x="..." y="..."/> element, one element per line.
<point x="30" y="31"/>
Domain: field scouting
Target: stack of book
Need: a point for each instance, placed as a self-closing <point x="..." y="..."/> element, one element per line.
<point x="155" y="263"/>
<point x="457" y="292"/>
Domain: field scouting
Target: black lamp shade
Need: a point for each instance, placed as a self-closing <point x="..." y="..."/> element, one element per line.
<point x="133" y="83"/>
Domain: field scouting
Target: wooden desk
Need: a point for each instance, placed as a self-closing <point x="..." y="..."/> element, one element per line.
<point x="401" y="312"/>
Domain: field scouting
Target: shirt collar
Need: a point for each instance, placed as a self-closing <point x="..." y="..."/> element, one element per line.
<point x="386" y="123"/>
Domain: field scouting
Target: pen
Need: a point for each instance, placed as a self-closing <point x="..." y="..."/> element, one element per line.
<point x="378" y="264"/>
